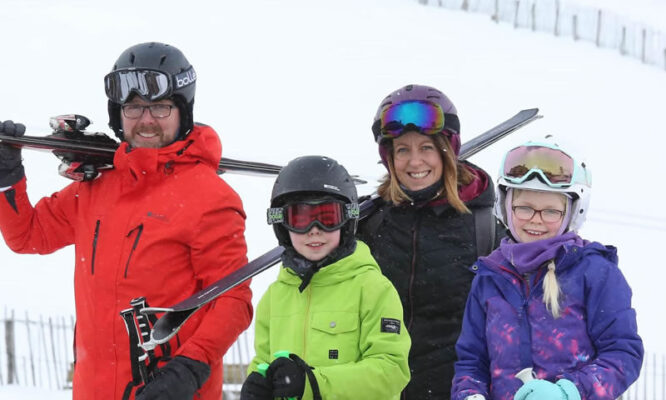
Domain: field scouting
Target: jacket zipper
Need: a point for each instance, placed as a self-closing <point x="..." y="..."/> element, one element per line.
<point x="139" y="230"/>
<point x="306" y="326"/>
<point x="94" y="247"/>
<point x="410" y="294"/>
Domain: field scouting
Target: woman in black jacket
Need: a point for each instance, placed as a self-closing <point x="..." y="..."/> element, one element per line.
<point x="432" y="222"/>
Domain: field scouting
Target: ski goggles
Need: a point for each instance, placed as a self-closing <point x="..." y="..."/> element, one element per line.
<point x="555" y="167"/>
<point x="150" y="84"/>
<point x="428" y="118"/>
<point x="301" y="217"/>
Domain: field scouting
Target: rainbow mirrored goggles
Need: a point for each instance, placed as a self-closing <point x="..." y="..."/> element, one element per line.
<point x="149" y="84"/>
<point x="422" y="116"/>
<point x="301" y="217"/>
<point x="556" y="168"/>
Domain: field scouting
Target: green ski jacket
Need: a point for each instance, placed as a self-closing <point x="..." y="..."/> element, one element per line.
<point x="347" y="324"/>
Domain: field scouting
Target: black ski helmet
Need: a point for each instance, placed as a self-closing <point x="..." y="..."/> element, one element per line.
<point x="168" y="60"/>
<point x="308" y="177"/>
<point x="420" y="93"/>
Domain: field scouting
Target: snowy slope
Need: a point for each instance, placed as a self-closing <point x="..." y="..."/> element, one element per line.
<point x="278" y="79"/>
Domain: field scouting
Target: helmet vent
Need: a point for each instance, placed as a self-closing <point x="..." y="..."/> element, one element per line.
<point x="163" y="59"/>
<point x="132" y="58"/>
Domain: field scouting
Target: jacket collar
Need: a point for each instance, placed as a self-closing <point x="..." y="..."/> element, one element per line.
<point x="202" y="145"/>
<point x="341" y="270"/>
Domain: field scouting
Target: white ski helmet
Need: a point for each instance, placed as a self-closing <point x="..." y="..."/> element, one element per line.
<point x="573" y="179"/>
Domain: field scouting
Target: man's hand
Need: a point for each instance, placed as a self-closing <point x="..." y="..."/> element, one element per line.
<point x="179" y="379"/>
<point x="11" y="167"/>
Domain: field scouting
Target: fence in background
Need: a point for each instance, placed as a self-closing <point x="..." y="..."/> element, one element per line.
<point x="37" y="351"/>
<point x="603" y="28"/>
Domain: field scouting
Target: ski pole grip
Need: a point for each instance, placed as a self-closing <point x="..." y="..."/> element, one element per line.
<point x="283" y="353"/>
<point x="262" y="368"/>
<point x="525" y="375"/>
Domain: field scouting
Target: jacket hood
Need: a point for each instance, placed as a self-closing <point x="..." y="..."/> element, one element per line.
<point x="201" y="145"/>
<point x="359" y="261"/>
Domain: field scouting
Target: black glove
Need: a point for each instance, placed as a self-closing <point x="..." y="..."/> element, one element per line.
<point x="179" y="379"/>
<point x="287" y="376"/>
<point x="256" y="387"/>
<point x="11" y="167"/>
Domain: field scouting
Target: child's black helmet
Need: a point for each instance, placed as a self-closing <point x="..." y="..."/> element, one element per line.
<point x="312" y="177"/>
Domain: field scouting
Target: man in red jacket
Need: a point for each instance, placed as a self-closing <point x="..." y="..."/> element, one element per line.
<point x="160" y="224"/>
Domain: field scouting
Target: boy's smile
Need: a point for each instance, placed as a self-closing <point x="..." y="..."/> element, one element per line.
<point x="316" y="243"/>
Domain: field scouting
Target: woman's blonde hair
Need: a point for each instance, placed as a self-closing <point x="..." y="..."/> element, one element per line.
<point x="454" y="174"/>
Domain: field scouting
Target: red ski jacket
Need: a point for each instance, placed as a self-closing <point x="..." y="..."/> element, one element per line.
<point x="162" y="225"/>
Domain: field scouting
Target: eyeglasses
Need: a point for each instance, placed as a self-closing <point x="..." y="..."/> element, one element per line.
<point x="526" y="213"/>
<point x="301" y="217"/>
<point x="135" y="111"/>
<point x="555" y="167"/>
<point x="149" y="84"/>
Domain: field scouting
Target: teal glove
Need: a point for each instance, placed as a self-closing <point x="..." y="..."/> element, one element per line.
<point x="539" y="389"/>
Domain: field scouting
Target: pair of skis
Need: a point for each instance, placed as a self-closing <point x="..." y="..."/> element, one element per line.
<point x="143" y="327"/>
<point x="105" y="151"/>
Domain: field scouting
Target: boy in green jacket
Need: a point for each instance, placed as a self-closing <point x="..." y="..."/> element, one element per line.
<point x="331" y="309"/>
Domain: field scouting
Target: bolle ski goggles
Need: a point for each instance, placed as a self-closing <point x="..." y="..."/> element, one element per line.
<point x="428" y="118"/>
<point x="150" y="84"/>
<point x="555" y="167"/>
<point x="301" y="217"/>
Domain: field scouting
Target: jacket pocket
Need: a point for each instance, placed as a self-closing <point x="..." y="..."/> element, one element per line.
<point x="335" y="337"/>
<point x="335" y="322"/>
<point x="138" y="230"/>
<point x="94" y="247"/>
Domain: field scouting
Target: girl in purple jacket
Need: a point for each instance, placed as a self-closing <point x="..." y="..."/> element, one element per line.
<point x="549" y="314"/>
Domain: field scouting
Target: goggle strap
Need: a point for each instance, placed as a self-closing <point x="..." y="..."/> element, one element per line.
<point x="352" y="211"/>
<point x="275" y="215"/>
<point x="452" y="123"/>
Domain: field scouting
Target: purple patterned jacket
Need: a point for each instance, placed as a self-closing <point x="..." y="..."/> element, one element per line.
<point x="506" y="327"/>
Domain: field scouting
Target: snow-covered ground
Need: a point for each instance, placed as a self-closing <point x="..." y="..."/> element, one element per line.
<point x="278" y="79"/>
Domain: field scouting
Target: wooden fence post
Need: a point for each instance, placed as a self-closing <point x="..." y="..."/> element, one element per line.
<point x="32" y="359"/>
<point x="515" y="15"/>
<point x="533" y="17"/>
<point x="53" y="353"/>
<point x="623" y="41"/>
<point x="495" y="16"/>
<point x="556" y="29"/>
<point x="575" y="27"/>
<point x="663" y="367"/>
<point x="643" y="45"/>
<point x="44" y="353"/>
<point x="11" y="349"/>
<point x="598" y="39"/>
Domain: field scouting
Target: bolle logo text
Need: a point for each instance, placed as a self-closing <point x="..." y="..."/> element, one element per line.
<point x="186" y="78"/>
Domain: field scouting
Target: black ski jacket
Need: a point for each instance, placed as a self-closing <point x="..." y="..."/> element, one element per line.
<point x="427" y="253"/>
